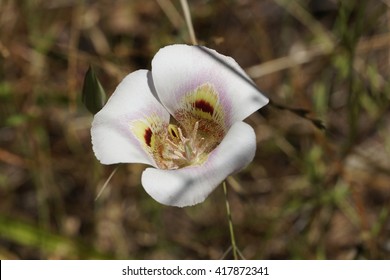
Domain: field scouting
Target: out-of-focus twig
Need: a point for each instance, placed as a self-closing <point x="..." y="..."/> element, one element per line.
<point x="307" y="55"/>
<point x="11" y="158"/>
<point x="187" y="16"/>
<point x="171" y="12"/>
<point x="106" y="183"/>
<point x="286" y="62"/>
<point x="299" y="12"/>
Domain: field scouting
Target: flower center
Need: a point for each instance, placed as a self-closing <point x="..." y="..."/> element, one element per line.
<point x="173" y="146"/>
<point x="182" y="150"/>
<point x="201" y="128"/>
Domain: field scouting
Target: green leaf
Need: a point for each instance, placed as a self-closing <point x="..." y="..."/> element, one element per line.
<point x="93" y="96"/>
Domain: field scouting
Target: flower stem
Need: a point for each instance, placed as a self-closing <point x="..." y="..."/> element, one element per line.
<point x="231" y="229"/>
<point x="187" y="16"/>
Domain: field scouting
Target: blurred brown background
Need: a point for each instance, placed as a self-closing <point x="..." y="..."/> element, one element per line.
<point x="311" y="192"/>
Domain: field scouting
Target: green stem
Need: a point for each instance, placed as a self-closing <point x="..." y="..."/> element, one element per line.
<point x="231" y="229"/>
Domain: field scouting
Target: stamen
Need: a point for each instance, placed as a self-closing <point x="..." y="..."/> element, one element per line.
<point x="195" y="131"/>
<point x="182" y="138"/>
<point x="171" y="143"/>
<point x="188" y="150"/>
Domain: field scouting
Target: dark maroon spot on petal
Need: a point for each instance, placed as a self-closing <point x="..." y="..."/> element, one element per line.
<point x="204" y="106"/>
<point x="148" y="136"/>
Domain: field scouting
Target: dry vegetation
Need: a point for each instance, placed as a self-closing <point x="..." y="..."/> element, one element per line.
<point x="311" y="192"/>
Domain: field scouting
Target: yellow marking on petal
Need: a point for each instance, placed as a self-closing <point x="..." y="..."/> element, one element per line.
<point x="203" y="106"/>
<point x="144" y="133"/>
<point x="147" y="131"/>
<point x="204" y="103"/>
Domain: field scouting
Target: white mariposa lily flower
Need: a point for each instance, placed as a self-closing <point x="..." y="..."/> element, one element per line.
<point x="208" y="95"/>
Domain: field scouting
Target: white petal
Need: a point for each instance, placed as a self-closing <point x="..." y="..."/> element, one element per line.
<point x="133" y="100"/>
<point x="191" y="185"/>
<point x="179" y="69"/>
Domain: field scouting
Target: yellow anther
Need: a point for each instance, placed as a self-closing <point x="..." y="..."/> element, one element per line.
<point x="173" y="131"/>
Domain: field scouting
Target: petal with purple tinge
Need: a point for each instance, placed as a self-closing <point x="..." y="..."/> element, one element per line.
<point x="191" y="185"/>
<point x="123" y="130"/>
<point x="180" y="70"/>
